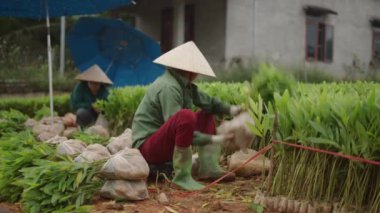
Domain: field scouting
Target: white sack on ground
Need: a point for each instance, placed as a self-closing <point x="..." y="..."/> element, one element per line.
<point x="71" y="147"/>
<point x="44" y="132"/>
<point x="45" y="136"/>
<point x="93" y="153"/>
<point x="102" y="121"/>
<point x="121" y="142"/>
<point x="30" y="123"/>
<point x="257" y="166"/>
<point x="195" y="166"/>
<point x="127" y="164"/>
<point x="48" y="121"/>
<point x="56" y="140"/>
<point x="57" y="128"/>
<point x="127" y="190"/>
<point x="238" y="126"/>
<point x="98" y="130"/>
<point x="70" y="131"/>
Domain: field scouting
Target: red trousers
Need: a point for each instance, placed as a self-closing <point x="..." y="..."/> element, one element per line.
<point x="177" y="131"/>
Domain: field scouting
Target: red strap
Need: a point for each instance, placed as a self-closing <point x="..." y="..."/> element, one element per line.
<point x="269" y="146"/>
<point x="362" y="160"/>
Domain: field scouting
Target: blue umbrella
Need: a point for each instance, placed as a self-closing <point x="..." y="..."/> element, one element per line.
<point x="123" y="52"/>
<point x="39" y="9"/>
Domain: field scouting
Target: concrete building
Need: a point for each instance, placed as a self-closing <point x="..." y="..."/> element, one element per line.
<point x="323" y="34"/>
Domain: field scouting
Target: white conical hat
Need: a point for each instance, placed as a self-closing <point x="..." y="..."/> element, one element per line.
<point x="186" y="57"/>
<point x="94" y="74"/>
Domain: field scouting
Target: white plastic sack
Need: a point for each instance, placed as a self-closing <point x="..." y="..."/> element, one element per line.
<point x="127" y="190"/>
<point x="71" y="147"/>
<point x="102" y="121"/>
<point x="48" y="121"/>
<point x="195" y="166"/>
<point x="98" y="130"/>
<point x="238" y="126"/>
<point x="45" y="136"/>
<point x="257" y="166"/>
<point x="127" y="164"/>
<point x="70" y="131"/>
<point x="30" y="123"/>
<point x="93" y="153"/>
<point x="54" y="129"/>
<point x="119" y="143"/>
<point x="56" y="140"/>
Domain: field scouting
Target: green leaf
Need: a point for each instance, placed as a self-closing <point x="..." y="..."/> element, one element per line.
<point x="257" y="208"/>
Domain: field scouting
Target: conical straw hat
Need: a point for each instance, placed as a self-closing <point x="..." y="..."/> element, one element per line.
<point x="186" y="57"/>
<point x="94" y="74"/>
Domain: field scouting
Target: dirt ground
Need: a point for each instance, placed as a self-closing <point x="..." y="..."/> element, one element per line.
<point x="224" y="197"/>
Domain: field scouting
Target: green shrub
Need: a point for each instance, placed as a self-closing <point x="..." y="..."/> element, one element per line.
<point x="29" y="105"/>
<point x="314" y="76"/>
<point x="121" y="106"/>
<point x="269" y="80"/>
<point x="11" y="121"/>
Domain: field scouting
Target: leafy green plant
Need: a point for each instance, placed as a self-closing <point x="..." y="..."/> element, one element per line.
<point x="43" y="112"/>
<point x="342" y="118"/>
<point x="121" y="106"/>
<point x="29" y="105"/>
<point x="90" y="138"/>
<point x="58" y="185"/>
<point x="11" y="121"/>
<point x="269" y="80"/>
<point x="17" y="151"/>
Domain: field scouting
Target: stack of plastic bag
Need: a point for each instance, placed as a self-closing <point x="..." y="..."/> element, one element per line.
<point x="119" y="143"/>
<point x="126" y="172"/>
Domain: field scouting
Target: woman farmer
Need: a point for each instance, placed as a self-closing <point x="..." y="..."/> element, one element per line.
<point x="164" y="128"/>
<point x="92" y="87"/>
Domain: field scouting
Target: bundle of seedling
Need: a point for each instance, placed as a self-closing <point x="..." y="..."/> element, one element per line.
<point x="61" y="186"/>
<point x="31" y="172"/>
<point x="11" y="121"/>
<point x="343" y="118"/>
<point x="17" y="151"/>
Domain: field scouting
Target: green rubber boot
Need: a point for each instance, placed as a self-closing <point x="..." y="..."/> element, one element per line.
<point x="209" y="168"/>
<point x="182" y="163"/>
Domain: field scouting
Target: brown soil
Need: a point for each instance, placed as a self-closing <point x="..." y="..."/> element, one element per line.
<point x="9" y="208"/>
<point x="224" y="197"/>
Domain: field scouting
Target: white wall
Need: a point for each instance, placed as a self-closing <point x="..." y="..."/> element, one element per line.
<point x="272" y="30"/>
<point x="280" y="32"/>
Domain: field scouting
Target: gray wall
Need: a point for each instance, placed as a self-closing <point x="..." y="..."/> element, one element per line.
<point x="280" y="32"/>
<point x="270" y="30"/>
<point x="240" y="29"/>
<point x="210" y="16"/>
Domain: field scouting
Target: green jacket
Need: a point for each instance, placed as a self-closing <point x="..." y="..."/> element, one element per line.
<point x="166" y="96"/>
<point x="81" y="97"/>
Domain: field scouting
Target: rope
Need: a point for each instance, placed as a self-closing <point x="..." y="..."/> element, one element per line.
<point x="350" y="157"/>
<point x="269" y="146"/>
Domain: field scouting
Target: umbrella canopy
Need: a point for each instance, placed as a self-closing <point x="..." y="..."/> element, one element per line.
<point x="125" y="54"/>
<point x="36" y="9"/>
<point x="39" y="9"/>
